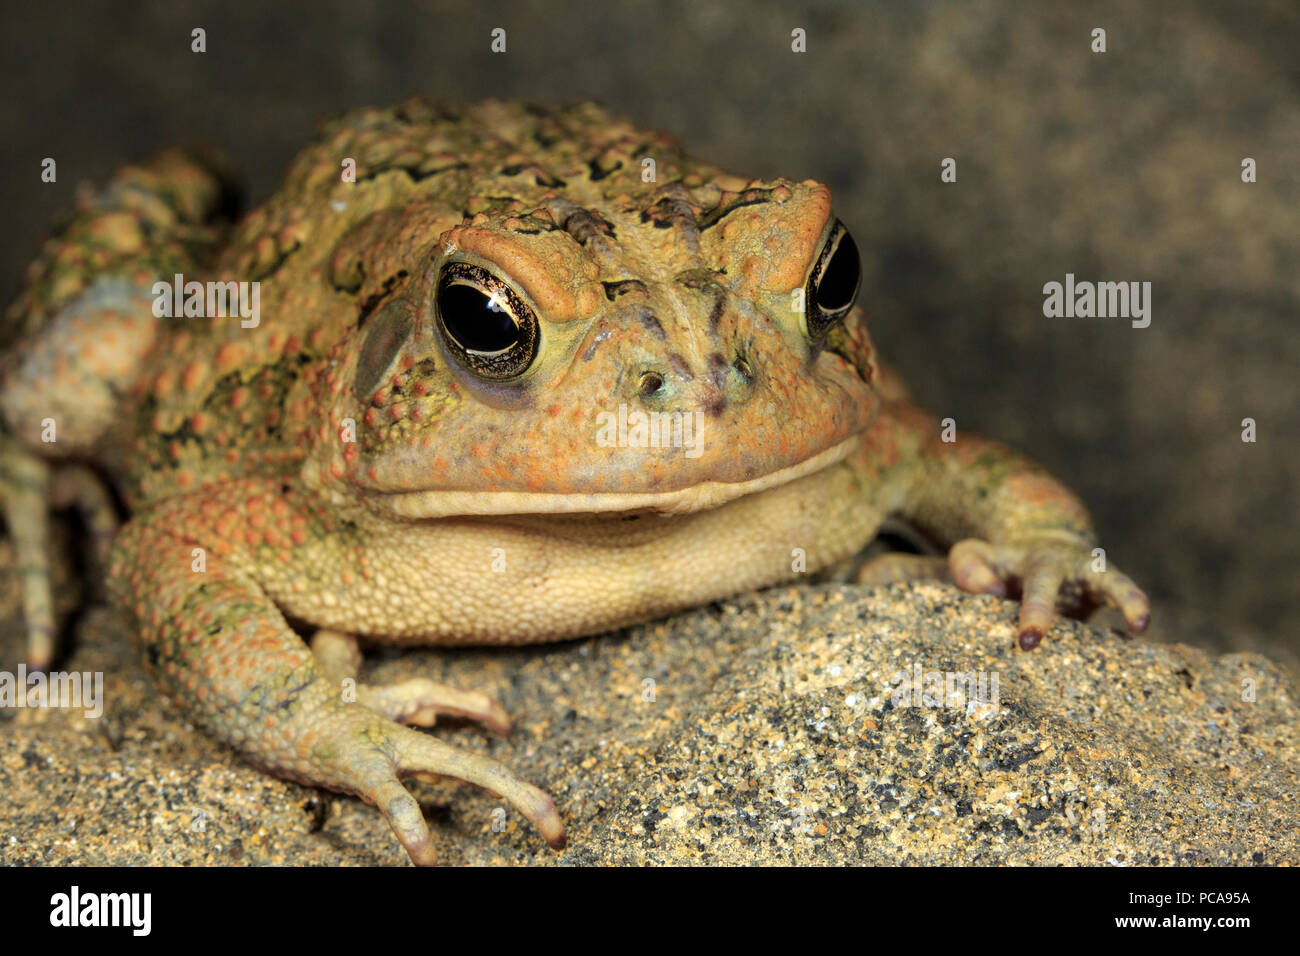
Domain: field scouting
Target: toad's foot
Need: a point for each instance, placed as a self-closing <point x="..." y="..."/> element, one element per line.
<point x="418" y="701"/>
<point x="363" y="753"/>
<point x="315" y="735"/>
<point x="1050" y="574"/>
<point x="896" y="566"/>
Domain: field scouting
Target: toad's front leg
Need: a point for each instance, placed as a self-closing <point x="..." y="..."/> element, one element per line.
<point x="1010" y="527"/>
<point x="222" y="650"/>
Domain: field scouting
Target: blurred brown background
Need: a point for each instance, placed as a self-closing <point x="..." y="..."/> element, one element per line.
<point x="1118" y="166"/>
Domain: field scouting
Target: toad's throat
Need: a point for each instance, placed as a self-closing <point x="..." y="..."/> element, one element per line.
<point x="699" y="497"/>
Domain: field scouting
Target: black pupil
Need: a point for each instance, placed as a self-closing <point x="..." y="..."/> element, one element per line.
<point x="839" y="280"/>
<point x="471" y="319"/>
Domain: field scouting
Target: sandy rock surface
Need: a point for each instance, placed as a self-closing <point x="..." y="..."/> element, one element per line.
<point x="769" y="734"/>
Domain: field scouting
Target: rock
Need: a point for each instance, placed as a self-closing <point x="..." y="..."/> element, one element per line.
<point x="768" y="735"/>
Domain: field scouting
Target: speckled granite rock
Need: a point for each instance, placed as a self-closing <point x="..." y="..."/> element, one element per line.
<point x="768" y="736"/>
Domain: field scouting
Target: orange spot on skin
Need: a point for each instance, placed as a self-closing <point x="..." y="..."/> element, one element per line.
<point x="192" y="377"/>
<point x="199" y="423"/>
<point x="229" y="355"/>
<point x="164" y="383"/>
<point x="239" y="397"/>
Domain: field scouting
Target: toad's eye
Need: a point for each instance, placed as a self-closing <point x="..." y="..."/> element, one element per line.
<point x="833" y="283"/>
<point x="487" y="326"/>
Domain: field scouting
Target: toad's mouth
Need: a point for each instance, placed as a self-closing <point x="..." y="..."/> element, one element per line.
<point x="698" y="497"/>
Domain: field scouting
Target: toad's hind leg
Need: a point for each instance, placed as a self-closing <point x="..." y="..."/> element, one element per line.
<point x="76" y="342"/>
<point x="220" y="648"/>
<point x="25" y="490"/>
<point x="76" y="486"/>
<point x="29" y="488"/>
<point x="417" y="701"/>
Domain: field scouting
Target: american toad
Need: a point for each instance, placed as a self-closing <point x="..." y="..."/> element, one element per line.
<point x="510" y="374"/>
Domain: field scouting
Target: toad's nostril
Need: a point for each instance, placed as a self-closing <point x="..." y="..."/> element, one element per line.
<point x="650" y="383"/>
<point x="741" y="365"/>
